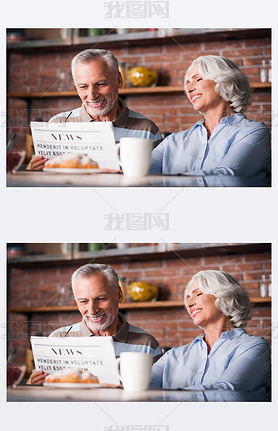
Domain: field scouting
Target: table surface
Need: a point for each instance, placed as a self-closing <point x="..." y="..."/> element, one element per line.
<point x="104" y="179"/>
<point x="31" y="393"/>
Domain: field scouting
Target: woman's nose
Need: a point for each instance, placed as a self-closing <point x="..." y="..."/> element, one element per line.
<point x="190" y="88"/>
<point x="190" y="302"/>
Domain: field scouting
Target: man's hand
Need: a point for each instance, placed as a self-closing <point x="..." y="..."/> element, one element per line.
<point x="36" y="378"/>
<point x="36" y="163"/>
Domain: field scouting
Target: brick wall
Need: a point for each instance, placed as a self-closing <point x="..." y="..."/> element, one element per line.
<point x="50" y="71"/>
<point x="40" y="286"/>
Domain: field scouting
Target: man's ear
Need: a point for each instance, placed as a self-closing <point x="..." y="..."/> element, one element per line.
<point x="120" y="81"/>
<point x="120" y="295"/>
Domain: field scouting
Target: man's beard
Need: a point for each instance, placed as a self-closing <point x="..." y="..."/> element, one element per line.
<point x="95" y="327"/>
<point x="97" y="112"/>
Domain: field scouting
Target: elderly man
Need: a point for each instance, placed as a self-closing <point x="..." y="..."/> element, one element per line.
<point x="98" y="294"/>
<point x="98" y="80"/>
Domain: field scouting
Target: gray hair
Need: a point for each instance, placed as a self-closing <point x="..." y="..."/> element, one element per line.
<point x="91" y="54"/>
<point x="231" y="299"/>
<point x="90" y="269"/>
<point x="231" y="84"/>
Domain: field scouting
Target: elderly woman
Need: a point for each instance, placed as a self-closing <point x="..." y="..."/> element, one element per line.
<point x="224" y="141"/>
<point x="224" y="356"/>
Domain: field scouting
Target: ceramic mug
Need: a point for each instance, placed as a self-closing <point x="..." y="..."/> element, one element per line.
<point x="135" y="156"/>
<point x="134" y="370"/>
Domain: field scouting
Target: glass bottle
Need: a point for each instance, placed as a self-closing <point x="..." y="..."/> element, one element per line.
<point x="270" y="72"/>
<point x="263" y="287"/>
<point x="270" y="286"/>
<point x="263" y="72"/>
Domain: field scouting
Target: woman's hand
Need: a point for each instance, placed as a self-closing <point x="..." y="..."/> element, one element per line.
<point x="36" y="378"/>
<point x="36" y="163"/>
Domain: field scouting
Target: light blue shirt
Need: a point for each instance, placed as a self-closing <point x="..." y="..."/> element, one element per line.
<point x="237" y="146"/>
<point x="237" y="361"/>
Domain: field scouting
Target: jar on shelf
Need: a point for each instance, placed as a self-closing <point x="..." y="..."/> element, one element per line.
<point x="95" y="32"/>
<point x="95" y="246"/>
<point x="142" y="77"/>
<point x="140" y="291"/>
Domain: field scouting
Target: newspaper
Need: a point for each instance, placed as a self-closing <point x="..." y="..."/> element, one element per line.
<point x="95" y="354"/>
<point x="93" y="139"/>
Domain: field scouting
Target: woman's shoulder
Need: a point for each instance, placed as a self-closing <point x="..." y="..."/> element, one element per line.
<point x="251" y="339"/>
<point x="244" y="120"/>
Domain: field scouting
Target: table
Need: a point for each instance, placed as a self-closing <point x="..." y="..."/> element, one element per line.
<point x="104" y="179"/>
<point x="29" y="393"/>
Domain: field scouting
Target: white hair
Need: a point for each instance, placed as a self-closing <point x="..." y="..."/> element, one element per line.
<point x="90" y="269"/>
<point x="231" y="299"/>
<point x="231" y="84"/>
<point x="91" y="54"/>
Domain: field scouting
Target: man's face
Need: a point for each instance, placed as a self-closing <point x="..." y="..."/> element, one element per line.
<point x="97" y="86"/>
<point x="98" y="302"/>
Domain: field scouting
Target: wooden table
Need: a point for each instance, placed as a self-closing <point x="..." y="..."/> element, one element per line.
<point x="28" y="393"/>
<point x="47" y="179"/>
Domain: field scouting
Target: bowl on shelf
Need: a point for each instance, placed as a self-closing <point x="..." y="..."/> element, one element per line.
<point x="140" y="291"/>
<point x="142" y="77"/>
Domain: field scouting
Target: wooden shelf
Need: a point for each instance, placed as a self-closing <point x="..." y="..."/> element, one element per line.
<point x="133" y="91"/>
<point x="123" y="306"/>
<point x="162" y="36"/>
<point x="139" y="253"/>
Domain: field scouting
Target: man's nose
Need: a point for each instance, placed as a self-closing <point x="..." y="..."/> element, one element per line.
<point x="93" y="91"/>
<point x="92" y="307"/>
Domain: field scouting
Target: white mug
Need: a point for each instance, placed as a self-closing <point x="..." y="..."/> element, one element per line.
<point x="134" y="370"/>
<point x="135" y="156"/>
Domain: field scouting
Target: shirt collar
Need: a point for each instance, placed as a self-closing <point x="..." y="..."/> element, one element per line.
<point x="231" y="119"/>
<point x="120" y="121"/>
<point x="232" y="334"/>
<point x="121" y="335"/>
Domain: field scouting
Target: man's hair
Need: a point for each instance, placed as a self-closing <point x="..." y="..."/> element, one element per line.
<point x="90" y="269"/>
<point x="231" y="299"/>
<point x="231" y="84"/>
<point x="91" y="54"/>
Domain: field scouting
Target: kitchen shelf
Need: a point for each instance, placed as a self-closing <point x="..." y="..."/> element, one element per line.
<point x="123" y="306"/>
<point x="138" y="253"/>
<point x="133" y="91"/>
<point x="161" y="36"/>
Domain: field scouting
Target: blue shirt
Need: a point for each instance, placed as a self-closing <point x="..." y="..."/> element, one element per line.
<point x="237" y="361"/>
<point x="237" y="146"/>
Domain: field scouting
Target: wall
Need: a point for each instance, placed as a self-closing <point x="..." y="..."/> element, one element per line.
<point x="50" y="71"/>
<point x="50" y="285"/>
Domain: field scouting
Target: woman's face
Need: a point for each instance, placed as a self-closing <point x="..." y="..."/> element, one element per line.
<point x="201" y="92"/>
<point x="201" y="307"/>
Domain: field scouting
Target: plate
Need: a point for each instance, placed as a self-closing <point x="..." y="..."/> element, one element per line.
<point x="72" y="170"/>
<point x="72" y="385"/>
